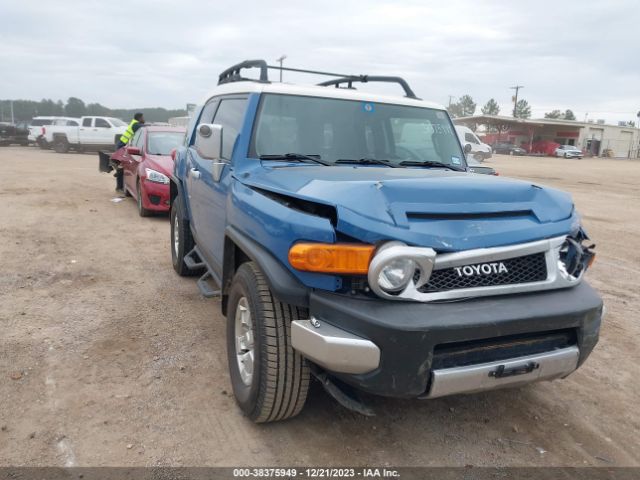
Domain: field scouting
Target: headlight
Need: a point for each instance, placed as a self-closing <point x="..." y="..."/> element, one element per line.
<point x="396" y="274"/>
<point x="156" y="177"/>
<point x="398" y="268"/>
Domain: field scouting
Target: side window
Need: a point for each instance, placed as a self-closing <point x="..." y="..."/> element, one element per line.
<point x="102" y="123"/>
<point x="72" y="123"/>
<point x="469" y="137"/>
<point x="205" y="117"/>
<point x="208" y="111"/>
<point x="230" y="115"/>
<point x="86" y="122"/>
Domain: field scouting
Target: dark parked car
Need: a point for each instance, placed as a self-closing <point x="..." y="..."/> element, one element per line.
<point x="508" y="149"/>
<point x="14" y="133"/>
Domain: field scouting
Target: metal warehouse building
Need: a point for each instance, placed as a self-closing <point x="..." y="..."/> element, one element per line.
<point x="596" y="138"/>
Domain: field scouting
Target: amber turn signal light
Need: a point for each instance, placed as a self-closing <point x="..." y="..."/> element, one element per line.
<point x="345" y="258"/>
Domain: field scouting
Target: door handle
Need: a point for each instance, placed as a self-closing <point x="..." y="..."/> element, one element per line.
<point x="195" y="173"/>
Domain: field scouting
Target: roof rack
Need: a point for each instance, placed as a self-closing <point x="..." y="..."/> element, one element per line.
<point x="232" y="74"/>
<point x="349" y="80"/>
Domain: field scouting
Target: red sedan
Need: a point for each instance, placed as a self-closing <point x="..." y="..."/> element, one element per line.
<point x="147" y="166"/>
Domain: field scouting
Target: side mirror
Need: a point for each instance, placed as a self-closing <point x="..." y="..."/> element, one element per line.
<point x="209" y="141"/>
<point x="467" y="148"/>
<point x="134" y="151"/>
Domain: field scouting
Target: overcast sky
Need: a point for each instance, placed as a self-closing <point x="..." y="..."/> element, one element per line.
<point x="574" y="54"/>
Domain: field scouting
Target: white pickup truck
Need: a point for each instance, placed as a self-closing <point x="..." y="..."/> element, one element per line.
<point x="85" y="133"/>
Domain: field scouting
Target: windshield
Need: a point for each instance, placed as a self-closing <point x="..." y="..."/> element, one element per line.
<point x="337" y="129"/>
<point x="116" y="122"/>
<point x="161" y="143"/>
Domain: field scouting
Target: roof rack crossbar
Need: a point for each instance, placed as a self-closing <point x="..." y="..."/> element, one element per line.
<point x="350" y="79"/>
<point x="232" y="74"/>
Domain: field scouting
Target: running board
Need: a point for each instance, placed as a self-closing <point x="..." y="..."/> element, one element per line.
<point x="191" y="262"/>
<point x="205" y="287"/>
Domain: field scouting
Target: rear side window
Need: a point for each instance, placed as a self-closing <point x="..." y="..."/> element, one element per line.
<point x="86" y="122"/>
<point x="230" y="114"/>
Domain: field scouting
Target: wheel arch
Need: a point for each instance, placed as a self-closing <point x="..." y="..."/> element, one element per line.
<point x="240" y="248"/>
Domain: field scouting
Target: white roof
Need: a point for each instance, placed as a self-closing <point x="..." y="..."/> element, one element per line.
<point x="317" y="91"/>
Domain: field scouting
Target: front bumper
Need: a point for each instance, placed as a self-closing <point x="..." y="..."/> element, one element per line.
<point x="406" y="335"/>
<point x="155" y="196"/>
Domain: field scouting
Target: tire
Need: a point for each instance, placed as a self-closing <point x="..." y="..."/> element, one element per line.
<point x="143" y="212"/>
<point x="181" y="240"/>
<point x="566" y="156"/>
<point x="60" y="145"/>
<point x="277" y="386"/>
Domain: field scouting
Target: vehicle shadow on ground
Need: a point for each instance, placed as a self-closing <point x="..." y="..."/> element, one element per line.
<point x="517" y="426"/>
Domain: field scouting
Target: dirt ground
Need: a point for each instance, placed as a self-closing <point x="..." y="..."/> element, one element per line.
<point x="107" y="357"/>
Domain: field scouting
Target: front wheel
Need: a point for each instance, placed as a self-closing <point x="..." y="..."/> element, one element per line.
<point x="143" y="212"/>
<point x="181" y="240"/>
<point x="269" y="378"/>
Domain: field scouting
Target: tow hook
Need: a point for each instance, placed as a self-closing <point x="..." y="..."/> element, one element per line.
<point x="502" y="372"/>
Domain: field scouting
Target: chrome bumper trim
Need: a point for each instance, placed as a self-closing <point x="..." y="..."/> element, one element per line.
<point x="480" y="377"/>
<point x="333" y="348"/>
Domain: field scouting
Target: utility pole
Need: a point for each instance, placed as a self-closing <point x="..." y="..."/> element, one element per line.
<point x="451" y="97"/>
<point x="515" y="98"/>
<point x="12" y="120"/>
<point x="280" y="60"/>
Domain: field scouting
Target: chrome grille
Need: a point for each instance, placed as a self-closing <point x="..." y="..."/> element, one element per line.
<point x="525" y="269"/>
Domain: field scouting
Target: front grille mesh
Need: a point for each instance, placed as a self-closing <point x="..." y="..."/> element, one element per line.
<point x="527" y="269"/>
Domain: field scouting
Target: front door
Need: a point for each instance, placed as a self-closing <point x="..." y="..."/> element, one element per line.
<point x="132" y="162"/>
<point x="209" y="195"/>
<point x="103" y="132"/>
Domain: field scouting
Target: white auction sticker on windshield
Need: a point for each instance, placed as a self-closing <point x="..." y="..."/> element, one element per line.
<point x="455" y="160"/>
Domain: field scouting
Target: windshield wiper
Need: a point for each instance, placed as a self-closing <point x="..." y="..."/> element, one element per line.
<point x="429" y="163"/>
<point x="367" y="161"/>
<point x="294" y="156"/>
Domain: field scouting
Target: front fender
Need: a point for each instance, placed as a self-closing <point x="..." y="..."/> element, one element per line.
<point x="178" y="181"/>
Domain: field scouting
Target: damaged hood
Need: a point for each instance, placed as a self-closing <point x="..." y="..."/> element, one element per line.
<point x="442" y="209"/>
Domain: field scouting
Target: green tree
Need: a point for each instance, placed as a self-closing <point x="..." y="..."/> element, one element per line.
<point x="454" y="110"/>
<point x="467" y="106"/>
<point x="97" y="109"/>
<point x="75" y="107"/>
<point x="523" y="110"/>
<point x="553" y="114"/>
<point x="568" y="115"/>
<point x="491" y="108"/>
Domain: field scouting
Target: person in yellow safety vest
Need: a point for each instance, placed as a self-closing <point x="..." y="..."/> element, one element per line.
<point x="125" y="138"/>
<point x="134" y="125"/>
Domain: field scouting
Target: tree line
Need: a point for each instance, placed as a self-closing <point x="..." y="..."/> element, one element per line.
<point x="24" y="110"/>
<point x="465" y="107"/>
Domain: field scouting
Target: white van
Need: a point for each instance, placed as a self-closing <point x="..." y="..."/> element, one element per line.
<point x="480" y="151"/>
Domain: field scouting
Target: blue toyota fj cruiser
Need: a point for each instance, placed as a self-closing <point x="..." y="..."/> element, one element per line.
<point x="348" y="241"/>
